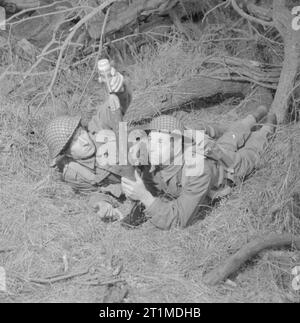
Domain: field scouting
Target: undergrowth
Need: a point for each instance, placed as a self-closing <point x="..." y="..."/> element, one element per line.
<point x="46" y="229"/>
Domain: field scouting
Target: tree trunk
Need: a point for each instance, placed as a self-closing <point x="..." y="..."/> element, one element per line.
<point x="288" y="76"/>
<point x="281" y="18"/>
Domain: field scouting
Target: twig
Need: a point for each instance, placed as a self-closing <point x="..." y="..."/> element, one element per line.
<point x="108" y="282"/>
<point x="66" y="43"/>
<point x="44" y="15"/>
<point x="57" y="48"/>
<point x="247" y="252"/>
<point x="90" y="56"/>
<point x="272" y="41"/>
<point x="249" y="17"/>
<point x="29" y="75"/>
<point x="58" y="279"/>
<point x="98" y="53"/>
<point x="226" y="39"/>
<point x="32" y="9"/>
<point x="113" y="281"/>
<point x="226" y="3"/>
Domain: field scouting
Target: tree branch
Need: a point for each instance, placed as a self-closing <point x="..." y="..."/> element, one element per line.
<point x="68" y="40"/>
<point x="249" y="17"/>
<point x="260" y="12"/>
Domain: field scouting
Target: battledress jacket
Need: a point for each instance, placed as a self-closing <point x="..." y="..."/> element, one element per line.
<point x="178" y="197"/>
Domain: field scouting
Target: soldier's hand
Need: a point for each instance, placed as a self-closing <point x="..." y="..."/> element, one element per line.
<point x="136" y="190"/>
<point x="116" y="81"/>
<point x="114" y="102"/>
<point x="106" y="211"/>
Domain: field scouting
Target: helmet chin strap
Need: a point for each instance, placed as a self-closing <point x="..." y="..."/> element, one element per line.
<point x="68" y="154"/>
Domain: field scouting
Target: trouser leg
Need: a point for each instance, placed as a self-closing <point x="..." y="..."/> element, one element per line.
<point x="238" y="134"/>
<point x="247" y="158"/>
<point x="226" y="147"/>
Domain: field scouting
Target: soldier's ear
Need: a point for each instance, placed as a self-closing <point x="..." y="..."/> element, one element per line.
<point x="53" y="162"/>
<point x="60" y="162"/>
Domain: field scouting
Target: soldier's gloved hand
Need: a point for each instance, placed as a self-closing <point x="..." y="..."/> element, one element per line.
<point x="116" y="81"/>
<point x="106" y="211"/>
<point x="136" y="190"/>
<point x="114" y="102"/>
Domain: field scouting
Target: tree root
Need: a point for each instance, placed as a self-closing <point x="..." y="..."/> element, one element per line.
<point x="247" y="252"/>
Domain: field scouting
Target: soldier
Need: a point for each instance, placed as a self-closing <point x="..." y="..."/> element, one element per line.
<point x="73" y="147"/>
<point x="171" y="196"/>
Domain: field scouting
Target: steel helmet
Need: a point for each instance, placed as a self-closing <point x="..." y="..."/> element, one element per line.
<point x="165" y="123"/>
<point x="58" y="133"/>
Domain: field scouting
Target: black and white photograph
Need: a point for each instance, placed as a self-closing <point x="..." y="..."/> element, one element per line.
<point x="150" y="154"/>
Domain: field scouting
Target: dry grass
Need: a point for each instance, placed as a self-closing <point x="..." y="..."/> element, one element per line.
<point x="43" y="223"/>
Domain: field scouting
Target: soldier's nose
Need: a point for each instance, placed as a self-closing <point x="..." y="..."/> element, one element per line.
<point x="83" y="141"/>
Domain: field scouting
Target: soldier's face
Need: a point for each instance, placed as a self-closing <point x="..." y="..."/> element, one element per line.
<point x="163" y="147"/>
<point x="82" y="146"/>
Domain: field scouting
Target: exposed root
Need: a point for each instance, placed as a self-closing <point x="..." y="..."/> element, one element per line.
<point x="247" y="252"/>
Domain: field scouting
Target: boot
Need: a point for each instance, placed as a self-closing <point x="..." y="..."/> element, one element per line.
<point x="260" y="112"/>
<point x="271" y="123"/>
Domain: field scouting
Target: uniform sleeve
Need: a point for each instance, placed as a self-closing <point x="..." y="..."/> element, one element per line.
<point x="79" y="178"/>
<point x="106" y="117"/>
<point x="179" y="212"/>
